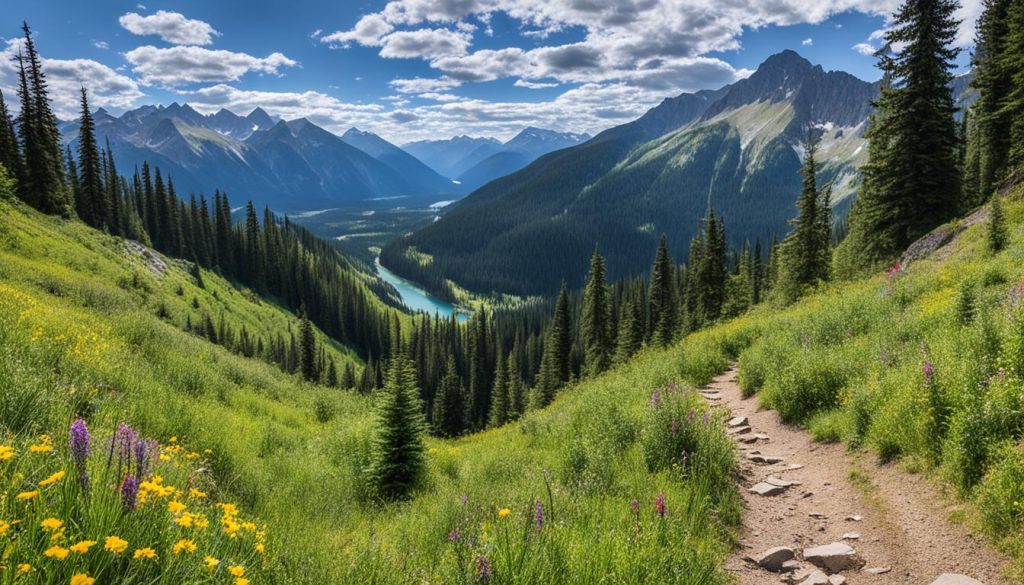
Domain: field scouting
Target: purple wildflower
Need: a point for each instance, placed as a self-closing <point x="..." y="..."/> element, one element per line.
<point x="129" y="491"/>
<point x="79" y="440"/>
<point x="483" y="570"/>
<point x="675" y="426"/>
<point x="707" y="418"/>
<point x="144" y="451"/>
<point x="659" y="505"/>
<point x="124" y="443"/>
<point x="538" y="515"/>
<point x="690" y="415"/>
<point x="634" y="505"/>
<point x="656" y="398"/>
<point x="455" y="535"/>
<point x="929" y="372"/>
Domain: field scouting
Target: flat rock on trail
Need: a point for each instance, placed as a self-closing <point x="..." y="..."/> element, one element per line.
<point x="898" y="517"/>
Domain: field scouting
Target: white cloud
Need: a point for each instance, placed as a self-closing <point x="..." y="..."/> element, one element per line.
<point x="316" y="34"/>
<point x="440" y="97"/>
<point x="107" y="88"/>
<point x="367" y="32"/>
<point x="426" y="43"/>
<point x="100" y="44"/>
<point x="424" y="85"/>
<point x="864" y="49"/>
<point x="534" y="85"/>
<point x="172" y="27"/>
<point x="807" y="42"/>
<point x="177" y="66"/>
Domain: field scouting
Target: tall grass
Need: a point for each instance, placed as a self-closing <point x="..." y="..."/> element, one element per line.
<point x="79" y="337"/>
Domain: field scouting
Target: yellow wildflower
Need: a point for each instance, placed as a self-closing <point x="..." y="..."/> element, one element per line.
<point x="184" y="545"/>
<point x="194" y="493"/>
<point x="173" y="439"/>
<point x="261" y="548"/>
<point x="504" y="512"/>
<point x="230" y="527"/>
<point x="115" y="544"/>
<point x="51" y="524"/>
<point x="4" y="527"/>
<point x="57" y="552"/>
<point x="52" y="479"/>
<point x="82" y="579"/>
<point x="83" y="546"/>
<point x="144" y="553"/>
<point x="24" y="568"/>
<point x="41" y="448"/>
<point x="241" y="581"/>
<point x="6" y="452"/>
<point x="174" y="507"/>
<point x="211" y="563"/>
<point x="57" y="535"/>
<point x="27" y="495"/>
<point x="236" y="570"/>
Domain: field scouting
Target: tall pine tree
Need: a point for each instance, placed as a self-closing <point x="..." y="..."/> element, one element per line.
<point x="595" y="322"/>
<point x="399" y="453"/>
<point x="664" y="300"/>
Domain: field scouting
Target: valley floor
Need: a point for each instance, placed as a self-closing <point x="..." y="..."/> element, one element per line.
<point x="895" y="521"/>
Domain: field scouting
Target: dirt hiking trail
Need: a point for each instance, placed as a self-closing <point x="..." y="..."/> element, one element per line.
<point x="817" y="514"/>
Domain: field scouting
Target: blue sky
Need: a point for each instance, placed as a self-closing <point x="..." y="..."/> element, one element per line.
<point x="414" y="69"/>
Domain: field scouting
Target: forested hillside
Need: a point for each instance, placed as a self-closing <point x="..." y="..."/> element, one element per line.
<point x="737" y="149"/>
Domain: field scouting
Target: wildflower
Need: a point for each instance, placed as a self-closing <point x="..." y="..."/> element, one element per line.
<point x="82" y="579"/>
<point x="236" y="570"/>
<point x="659" y="504"/>
<point x="260" y="547"/>
<point x="83" y="546"/>
<point x="124" y="443"/>
<point x="144" y="450"/>
<point x="57" y="552"/>
<point x="24" y="568"/>
<point x="211" y="563"/>
<point x="483" y="570"/>
<point x="707" y="417"/>
<point x="129" y="493"/>
<point x="690" y="415"/>
<point x="144" y="553"/>
<point x="929" y="372"/>
<point x="504" y="512"/>
<point x="674" y="427"/>
<point x="27" y="495"/>
<point x="656" y="398"/>
<point x="184" y="545"/>
<point x="4" y="527"/>
<point x="241" y="581"/>
<point x="6" y="452"/>
<point x="52" y="479"/>
<point x="79" y="441"/>
<point x="175" y="507"/>
<point x="115" y="545"/>
<point x="194" y="493"/>
<point x="45" y="445"/>
<point x="51" y="524"/>
<point x="455" y="535"/>
<point x="538" y="515"/>
<point x="634" y="505"/>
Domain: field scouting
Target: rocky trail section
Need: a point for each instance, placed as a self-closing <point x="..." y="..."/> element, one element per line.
<point x="815" y="514"/>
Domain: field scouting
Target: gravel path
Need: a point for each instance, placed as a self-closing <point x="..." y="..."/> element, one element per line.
<point x="895" y="521"/>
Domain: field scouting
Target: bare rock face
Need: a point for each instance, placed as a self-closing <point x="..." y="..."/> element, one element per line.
<point x="834" y="557"/>
<point x="955" y="579"/>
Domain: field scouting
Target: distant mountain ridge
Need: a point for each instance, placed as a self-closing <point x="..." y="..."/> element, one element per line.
<point x="291" y="166"/>
<point x="474" y="162"/>
<point x="737" y="148"/>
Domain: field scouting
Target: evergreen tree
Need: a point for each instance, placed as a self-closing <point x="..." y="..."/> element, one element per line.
<point x="516" y="388"/>
<point x="500" y="398"/>
<point x="307" y="350"/>
<point x="997" y="233"/>
<point x="990" y="122"/>
<point x="44" y="186"/>
<point x="548" y="378"/>
<point x="664" y="303"/>
<point x="1012" y="107"/>
<point x="561" y="336"/>
<point x="805" y="251"/>
<point x="449" y="414"/>
<point x="711" y="274"/>
<point x="399" y="453"/>
<point x="911" y="181"/>
<point x="348" y="376"/>
<point x="630" y="333"/>
<point x="10" y="155"/>
<point x="331" y="378"/>
<point x="595" y="321"/>
<point x="90" y="197"/>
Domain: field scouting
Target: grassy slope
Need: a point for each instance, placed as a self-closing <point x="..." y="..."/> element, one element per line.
<point x="850" y="363"/>
<point x="74" y="341"/>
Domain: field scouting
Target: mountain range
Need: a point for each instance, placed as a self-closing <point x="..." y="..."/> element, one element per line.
<point x="737" y="149"/>
<point x="474" y="162"/>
